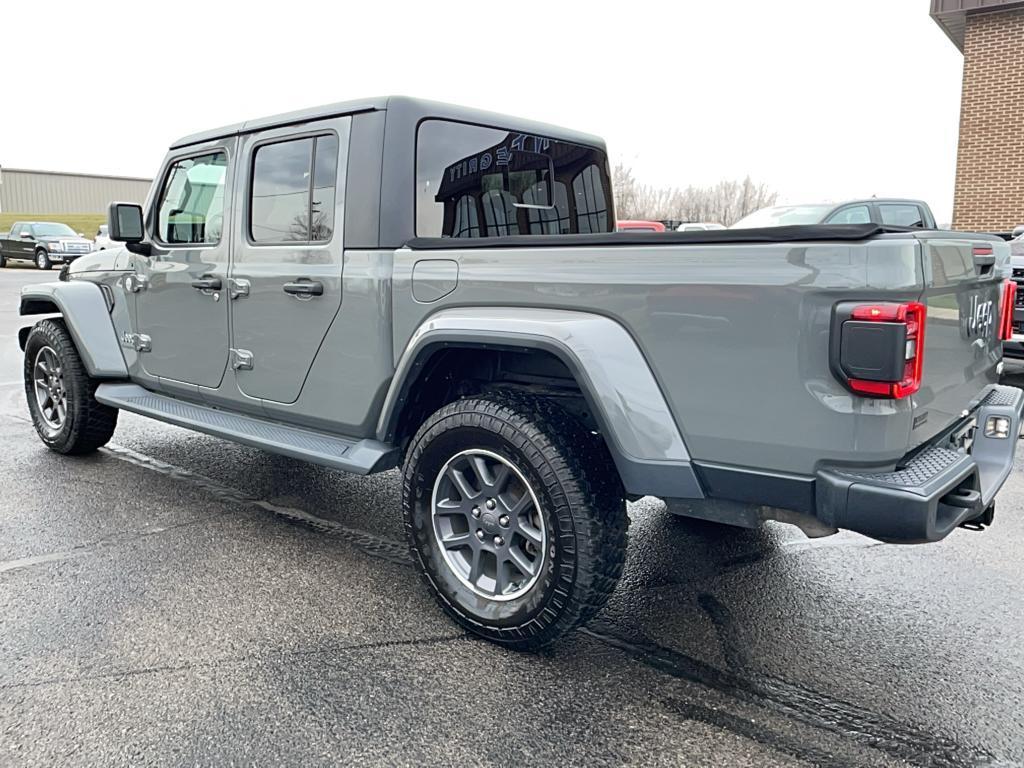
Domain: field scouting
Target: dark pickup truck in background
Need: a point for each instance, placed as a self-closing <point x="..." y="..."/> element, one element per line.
<point x="44" y="243"/>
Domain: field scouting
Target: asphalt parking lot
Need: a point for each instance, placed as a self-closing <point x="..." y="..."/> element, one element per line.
<point x="178" y="600"/>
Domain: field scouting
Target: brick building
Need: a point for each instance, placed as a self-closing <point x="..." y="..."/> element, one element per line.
<point x="989" y="193"/>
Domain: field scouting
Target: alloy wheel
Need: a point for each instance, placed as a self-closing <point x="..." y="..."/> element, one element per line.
<point x="51" y="394"/>
<point x="487" y="523"/>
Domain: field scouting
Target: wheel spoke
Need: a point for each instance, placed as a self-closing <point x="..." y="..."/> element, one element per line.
<point x="499" y="575"/>
<point x="520" y="505"/>
<point x="476" y="565"/>
<point x="522" y="562"/>
<point x="500" y="479"/>
<point x="530" y="532"/>
<point x="458" y="540"/>
<point x="465" y="490"/>
<point x="449" y="507"/>
<point x="61" y="411"/>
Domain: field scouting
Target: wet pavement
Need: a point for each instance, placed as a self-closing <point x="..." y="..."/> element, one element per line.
<point x="176" y="599"/>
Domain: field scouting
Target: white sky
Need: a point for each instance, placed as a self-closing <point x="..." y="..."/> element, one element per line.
<point x="821" y="99"/>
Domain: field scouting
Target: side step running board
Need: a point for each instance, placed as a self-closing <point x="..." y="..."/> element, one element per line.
<point x="357" y="456"/>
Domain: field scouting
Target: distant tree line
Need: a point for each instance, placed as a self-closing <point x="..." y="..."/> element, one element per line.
<point x="724" y="203"/>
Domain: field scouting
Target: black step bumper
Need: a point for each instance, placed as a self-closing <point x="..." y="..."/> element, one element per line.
<point x="934" y="492"/>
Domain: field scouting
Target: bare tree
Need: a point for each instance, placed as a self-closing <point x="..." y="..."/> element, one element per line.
<point x="725" y="202"/>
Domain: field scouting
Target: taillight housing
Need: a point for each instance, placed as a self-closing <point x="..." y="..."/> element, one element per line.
<point x="1006" y="310"/>
<point x="877" y="349"/>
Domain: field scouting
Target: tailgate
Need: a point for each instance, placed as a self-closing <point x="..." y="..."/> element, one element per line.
<point x="962" y="348"/>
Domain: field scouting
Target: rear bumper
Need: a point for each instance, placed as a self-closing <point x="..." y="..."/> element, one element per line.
<point x="937" y="490"/>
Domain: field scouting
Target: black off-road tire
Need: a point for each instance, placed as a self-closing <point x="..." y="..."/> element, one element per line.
<point x="581" y="502"/>
<point x="42" y="260"/>
<point x="88" y="424"/>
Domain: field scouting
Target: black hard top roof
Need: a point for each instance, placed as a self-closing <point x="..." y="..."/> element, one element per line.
<point x="421" y="108"/>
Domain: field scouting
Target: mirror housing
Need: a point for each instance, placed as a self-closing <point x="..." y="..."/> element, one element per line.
<point x="25" y="234"/>
<point x="1018" y="230"/>
<point x="124" y="223"/>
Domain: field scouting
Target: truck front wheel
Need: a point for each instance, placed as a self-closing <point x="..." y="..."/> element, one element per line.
<point x="61" y="395"/>
<point x="516" y="517"/>
<point x="43" y="259"/>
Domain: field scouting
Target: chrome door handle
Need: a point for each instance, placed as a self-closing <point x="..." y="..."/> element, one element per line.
<point x="304" y="289"/>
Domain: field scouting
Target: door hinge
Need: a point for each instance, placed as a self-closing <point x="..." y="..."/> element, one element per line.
<point x="133" y="283"/>
<point x="140" y="342"/>
<point x="241" y="359"/>
<point x="238" y="288"/>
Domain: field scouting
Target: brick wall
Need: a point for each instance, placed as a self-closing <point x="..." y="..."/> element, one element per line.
<point x="989" y="192"/>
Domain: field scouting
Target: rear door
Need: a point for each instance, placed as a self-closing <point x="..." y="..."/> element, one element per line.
<point x="962" y="346"/>
<point x="287" y="266"/>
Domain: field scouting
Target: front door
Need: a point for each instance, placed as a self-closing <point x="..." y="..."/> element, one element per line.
<point x="24" y="243"/>
<point x="288" y="256"/>
<point x="181" y="304"/>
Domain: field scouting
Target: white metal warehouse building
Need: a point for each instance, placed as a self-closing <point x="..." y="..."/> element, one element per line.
<point x="50" y="192"/>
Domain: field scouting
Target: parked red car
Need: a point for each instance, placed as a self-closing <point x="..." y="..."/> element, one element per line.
<point x="628" y="225"/>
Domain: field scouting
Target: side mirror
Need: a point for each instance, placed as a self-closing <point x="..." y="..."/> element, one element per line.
<point x="1018" y="230"/>
<point x="25" y="234"/>
<point x="124" y="223"/>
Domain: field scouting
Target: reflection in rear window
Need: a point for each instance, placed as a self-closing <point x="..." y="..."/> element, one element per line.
<point x="473" y="181"/>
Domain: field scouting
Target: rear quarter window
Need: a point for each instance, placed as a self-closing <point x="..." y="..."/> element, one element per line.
<point x="901" y="214"/>
<point x="475" y="181"/>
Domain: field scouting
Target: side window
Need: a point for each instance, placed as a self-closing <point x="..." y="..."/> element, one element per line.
<point x="591" y="204"/>
<point x="325" y="179"/>
<point x="467" y="222"/>
<point x="855" y="214"/>
<point x="901" y="214"/>
<point x="192" y="200"/>
<point x="293" y="191"/>
<point x="476" y="181"/>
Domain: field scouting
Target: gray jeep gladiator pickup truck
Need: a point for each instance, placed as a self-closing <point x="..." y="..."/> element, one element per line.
<point x="398" y="283"/>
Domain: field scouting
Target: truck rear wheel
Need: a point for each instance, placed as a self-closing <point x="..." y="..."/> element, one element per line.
<point x="60" y="393"/>
<point x="516" y="517"/>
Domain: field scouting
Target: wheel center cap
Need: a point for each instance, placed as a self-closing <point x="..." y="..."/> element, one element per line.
<point x="489" y="522"/>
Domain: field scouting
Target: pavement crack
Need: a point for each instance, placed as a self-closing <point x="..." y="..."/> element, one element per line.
<point x="240" y="659"/>
<point x="90" y="547"/>
<point x="376" y="546"/>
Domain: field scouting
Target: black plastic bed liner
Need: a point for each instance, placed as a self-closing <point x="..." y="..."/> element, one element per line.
<point x="791" y="234"/>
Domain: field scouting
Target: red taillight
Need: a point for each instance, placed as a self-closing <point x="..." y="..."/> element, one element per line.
<point x="1006" y="310"/>
<point x="912" y="315"/>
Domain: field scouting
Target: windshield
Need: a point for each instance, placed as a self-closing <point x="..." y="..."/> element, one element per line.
<point x="784" y="215"/>
<point x="48" y="229"/>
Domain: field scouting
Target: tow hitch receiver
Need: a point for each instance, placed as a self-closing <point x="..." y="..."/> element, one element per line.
<point x="981" y="522"/>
